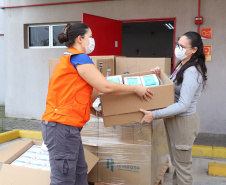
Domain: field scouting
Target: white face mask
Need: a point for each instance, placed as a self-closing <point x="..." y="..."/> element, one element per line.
<point x="89" y="49"/>
<point x="180" y="54"/>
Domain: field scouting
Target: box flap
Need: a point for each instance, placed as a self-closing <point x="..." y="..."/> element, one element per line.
<point x="37" y="142"/>
<point x="13" y="149"/>
<point x="91" y="159"/>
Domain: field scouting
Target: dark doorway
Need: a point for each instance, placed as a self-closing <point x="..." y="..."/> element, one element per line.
<point x="148" y="39"/>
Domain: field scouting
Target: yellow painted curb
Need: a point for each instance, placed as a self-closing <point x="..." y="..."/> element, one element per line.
<point x="8" y="136"/>
<point x="219" y="152"/>
<point x="201" y="150"/>
<point x="197" y="150"/>
<point x="217" y="169"/>
<point x="30" y="134"/>
<point x="209" y="151"/>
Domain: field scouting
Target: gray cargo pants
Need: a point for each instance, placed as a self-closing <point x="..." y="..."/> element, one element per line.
<point x="67" y="160"/>
<point x="181" y="133"/>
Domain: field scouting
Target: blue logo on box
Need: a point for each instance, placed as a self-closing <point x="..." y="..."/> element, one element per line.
<point x="110" y="164"/>
<point x="124" y="167"/>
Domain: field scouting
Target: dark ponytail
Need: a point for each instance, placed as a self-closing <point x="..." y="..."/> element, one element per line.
<point x="71" y="32"/>
<point x="197" y="60"/>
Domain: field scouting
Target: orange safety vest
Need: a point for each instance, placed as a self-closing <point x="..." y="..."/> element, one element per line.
<point x="69" y="96"/>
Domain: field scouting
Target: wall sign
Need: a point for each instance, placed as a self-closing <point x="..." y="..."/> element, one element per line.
<point x="208" y="52"/>
<point x="206" y="33"/>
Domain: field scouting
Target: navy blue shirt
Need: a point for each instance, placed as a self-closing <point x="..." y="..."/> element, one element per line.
<point x="80" y="59"/>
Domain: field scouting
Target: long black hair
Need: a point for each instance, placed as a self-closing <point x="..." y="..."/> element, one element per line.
<point x="71" y="32"/>
<point x="197" y="59"/>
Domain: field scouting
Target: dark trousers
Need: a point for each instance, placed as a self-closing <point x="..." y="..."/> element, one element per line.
<point x="66" y="154"/>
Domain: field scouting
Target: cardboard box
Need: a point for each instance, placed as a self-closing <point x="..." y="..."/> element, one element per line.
<point x="134" y="133"/>
<point x="125" y="65"/>
<point x="52" y="65"/>
<point x="143" y="133"/>
<point x="16" y="175"/>
<point x="90" y="131"/>
<point x="105" y="65"/>
<point x="129" y="154"/>
<point x="93" y="174"/>
<point x="104" y="57"/>
<point x="112" y="57"/>
<point x="159" y="152"/>
<point x="134" y="164"/>
<point x="124" y="109"/>
<point x="124" y="164"/>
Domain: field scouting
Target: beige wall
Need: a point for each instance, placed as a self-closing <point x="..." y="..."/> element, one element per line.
<point x="2" y="67"/>
<point x="27" y="69"/>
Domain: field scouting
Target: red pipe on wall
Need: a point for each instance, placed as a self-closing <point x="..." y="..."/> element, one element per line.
<point x="199" y="7"/>
<point x="61" y="3"/>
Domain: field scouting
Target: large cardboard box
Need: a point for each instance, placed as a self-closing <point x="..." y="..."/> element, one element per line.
<point x="125" y="164"/>
<point x="105" y="65"/>
<point x="124" y="109"/>
<point x="17" y="175"/>
<point x="134" y="164"/>
<point x="90" y="130"/>
<point x="52" y="65"/>
<point x="134" y="133"/>
<point x="125" y="65"/>
<point x="132" y="154"/>
<point x="112" y="57"/>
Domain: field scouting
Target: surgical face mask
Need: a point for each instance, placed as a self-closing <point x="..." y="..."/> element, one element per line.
<point x="180" y="54"/>
<point x="89" y="49"/>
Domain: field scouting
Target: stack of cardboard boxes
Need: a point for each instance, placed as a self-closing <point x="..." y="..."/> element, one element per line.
<point x="129" y="153"/>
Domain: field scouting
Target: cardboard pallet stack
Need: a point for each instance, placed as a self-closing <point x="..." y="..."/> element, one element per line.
<point x="131" y="154"/>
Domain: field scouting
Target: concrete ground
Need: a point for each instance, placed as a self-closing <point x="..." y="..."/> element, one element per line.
<point x="200" y="172"/>
<point x="200" y="165"/>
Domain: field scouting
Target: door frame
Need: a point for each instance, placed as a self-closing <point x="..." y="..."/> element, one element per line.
<point x="158" y="20"/>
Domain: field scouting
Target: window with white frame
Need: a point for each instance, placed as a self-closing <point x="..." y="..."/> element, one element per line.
<point x="45" y="36"/>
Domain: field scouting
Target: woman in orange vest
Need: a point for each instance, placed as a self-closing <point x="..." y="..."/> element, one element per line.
<point x="68" y="104"/>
